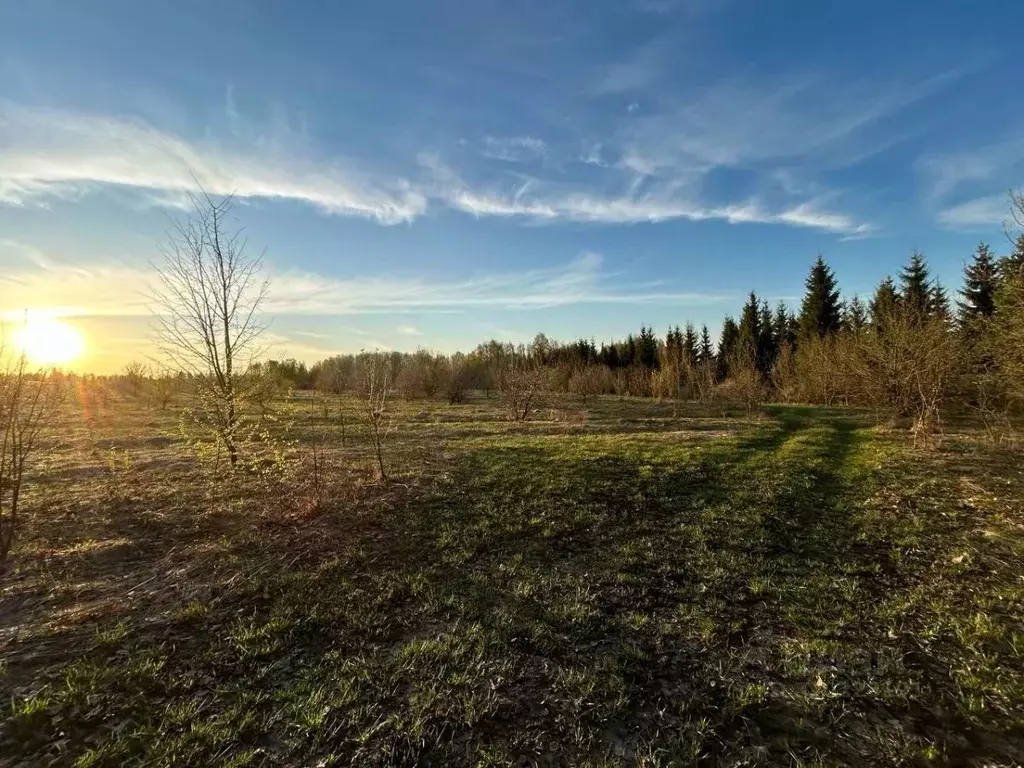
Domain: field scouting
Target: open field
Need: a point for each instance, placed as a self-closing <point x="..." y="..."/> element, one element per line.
<point x="608" y="584"/>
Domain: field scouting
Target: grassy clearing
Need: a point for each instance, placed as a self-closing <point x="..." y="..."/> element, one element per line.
<point x="612" y="585"/>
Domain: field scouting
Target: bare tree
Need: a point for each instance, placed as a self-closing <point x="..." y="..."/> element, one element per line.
<point x="378" y="389"/>
<point x="208" y="303"/>
<point x="745" y="385"/>
<point x="590" y="381"/>
<point x="134" y="379"/>
<point x="908" y="369"/>
<point x="520" y="379"/>
<point x="27" y="405"/>
<point x="164" y="386"/>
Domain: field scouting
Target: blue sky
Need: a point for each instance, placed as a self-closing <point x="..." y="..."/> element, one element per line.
<point x="436" y="173"/>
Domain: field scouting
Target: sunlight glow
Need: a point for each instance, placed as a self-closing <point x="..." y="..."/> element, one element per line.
<point x="48" y="341"/>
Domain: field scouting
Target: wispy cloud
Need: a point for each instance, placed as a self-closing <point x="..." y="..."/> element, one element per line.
<point x="581" y="281"/>
<point x="513" y="149"/>
<point x="119" y="290"/>
<point x="529" y="201"/>
<point x="50" y="153"/>
<point x="986" y="212"/>
<point x="983" y="165"/>
<point x="409" y="330"/>
<point x="651" y="172"/>
<point x="743" y="123"/>
<point x="691" y="7"/>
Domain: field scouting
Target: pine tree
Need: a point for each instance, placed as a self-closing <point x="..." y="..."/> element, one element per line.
<point x="766" y="347"/>
<point x="647" y="348"/>
<point x="938" y="302"/>
<point x="783" y="329"/>
<point x="883" y="304"/>
<point x="672" y="343"/>
<point x="915" y="286"/>
<point x="706" y="352"/>
<point x="981" y="280"/>
<point x="820" y="312"/>
<point x="610" y="355"/>
<point x="750" y="325"/>
<point x="689" y="345"/>
<point x="728" y="342"/>
<point x="629" y="351"/>
<point x="1013" y="265"/>
<point x="855" y="315"/>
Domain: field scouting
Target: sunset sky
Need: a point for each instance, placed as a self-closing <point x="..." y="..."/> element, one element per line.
<point x="435" y="173"/>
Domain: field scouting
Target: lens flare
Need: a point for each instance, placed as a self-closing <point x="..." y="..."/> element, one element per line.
<point x="47" y="341"/>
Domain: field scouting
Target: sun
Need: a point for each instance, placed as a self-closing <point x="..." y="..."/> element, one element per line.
<point x="47" y="341"/>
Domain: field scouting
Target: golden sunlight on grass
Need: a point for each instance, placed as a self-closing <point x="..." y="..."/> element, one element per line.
<point x="50" y="341"/>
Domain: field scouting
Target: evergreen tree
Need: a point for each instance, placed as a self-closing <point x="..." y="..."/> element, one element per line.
<point x="705" y="353"/>
<point x="689" y="345"/>
<point x="783" y="326"/>
<point x="1013" y="264"/>
<point x="628" y="354"/>
<point x="647" y="348"/>
<point x="673" y="344"/>
<point x="981" y="279"/>
<point x="766" y="346"/>
<point x="855" y="315"/>
<point x="610" y="355"/>
<point x="728" y="342"/>
<point x="883" y="304"/>
<point x="938" y="302"/>
<point x="820" y="312"/>
<point x="750" y="325"/>
<point x="915" y="286"/>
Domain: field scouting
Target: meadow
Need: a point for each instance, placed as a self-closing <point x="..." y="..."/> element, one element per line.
<point x="616" y="582"/>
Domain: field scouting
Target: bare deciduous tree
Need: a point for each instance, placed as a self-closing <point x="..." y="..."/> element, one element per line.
<point x="907" y="369"/>
<point x="134" y="379"/>
<point x="164" y="386"/>
<point x="208" y="302"/>
<point x="745" y="386"/>
<point x="378" y="390"/>
<point x="27" y="405"/>
<point x="520" y="379"/>
<point x="589" y="382"/>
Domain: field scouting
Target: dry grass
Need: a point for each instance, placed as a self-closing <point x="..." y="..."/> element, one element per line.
<point x="609" y="585"/>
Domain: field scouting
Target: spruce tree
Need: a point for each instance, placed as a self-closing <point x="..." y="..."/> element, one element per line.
<point x="673" y="343"/>
<point x="767" y="350"/>
<point x="647" y="348"/>
<point x="783" y="326"/>
<point x="750" y="325"/>
<point x="820" y="312"/>
<point x="728" y="342"/>
<point x="629" y="351"/>
<point x="938" y="302"/>
<point x="689" y="345"/>
<point x="883" y="304"/>
<point x="855" y="315"/>
<point x="610" y="355"/>
<point x="981" y="279"/>
<point x="706" y="352"/>
<point x="915" y="286"/>
<point x="1013" y="265"/>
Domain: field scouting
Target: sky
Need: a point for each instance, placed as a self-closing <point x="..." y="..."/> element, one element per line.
<point x="434" y="173"/>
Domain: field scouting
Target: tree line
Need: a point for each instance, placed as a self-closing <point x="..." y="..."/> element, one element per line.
<point x="908" y="350"/>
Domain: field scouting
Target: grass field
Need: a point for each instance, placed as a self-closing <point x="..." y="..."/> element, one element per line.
<point x="603" y="585"/>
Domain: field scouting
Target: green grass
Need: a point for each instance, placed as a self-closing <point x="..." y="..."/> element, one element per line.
<point x="604" y="586"/>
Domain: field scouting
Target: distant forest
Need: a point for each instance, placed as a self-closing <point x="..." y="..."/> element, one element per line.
<point x="910" y="348"/>
<point x="911" y="351"/>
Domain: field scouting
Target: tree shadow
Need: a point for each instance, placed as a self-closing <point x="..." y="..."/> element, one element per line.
<point x="712" y="600"/>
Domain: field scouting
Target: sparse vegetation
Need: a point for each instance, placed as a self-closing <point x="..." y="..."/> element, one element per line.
<point x="610" y="584"/>
<point x="634" y="555"/>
